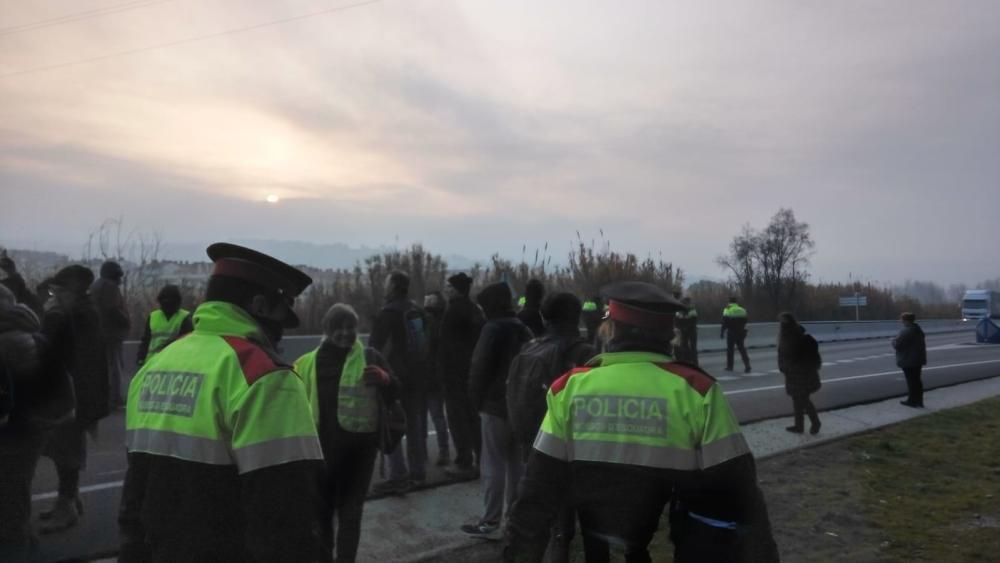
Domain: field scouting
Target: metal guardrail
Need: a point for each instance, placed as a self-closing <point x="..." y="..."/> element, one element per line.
<point x="760" y="335"/>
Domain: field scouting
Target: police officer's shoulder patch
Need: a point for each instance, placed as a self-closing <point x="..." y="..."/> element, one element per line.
<point x="559" y="384"/>
<point x="254" y="360"/>
<point x="698" y="379"/>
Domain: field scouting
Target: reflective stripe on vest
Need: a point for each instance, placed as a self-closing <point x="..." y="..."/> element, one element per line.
<point x="357" y="403"/>
<point x="162" y="330"/>
<point x="631" y="409"/>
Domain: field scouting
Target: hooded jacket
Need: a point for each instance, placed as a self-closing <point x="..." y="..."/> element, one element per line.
<point x="500" y="340"/>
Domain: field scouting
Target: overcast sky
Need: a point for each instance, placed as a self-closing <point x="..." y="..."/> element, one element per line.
<point x="476" y="127"/>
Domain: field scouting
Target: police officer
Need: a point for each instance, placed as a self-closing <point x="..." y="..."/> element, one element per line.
<point x="634" y="431"/>
<point x="687" y="328"/>
<point x="224" y="463"/>
<point x="164" y="324"/>
<point x="734" y="330"/>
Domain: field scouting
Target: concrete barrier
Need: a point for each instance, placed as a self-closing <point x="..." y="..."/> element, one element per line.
<point x="760" y="335"/>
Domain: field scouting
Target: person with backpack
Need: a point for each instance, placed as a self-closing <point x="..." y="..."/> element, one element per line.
<point x="501" y="465"/>
<point x="33" y="397"/>
<point x="542" y="361"/>
<point x="345" y="382"/>
<point x="799" y="361"/>
<point x="400" y="335"/>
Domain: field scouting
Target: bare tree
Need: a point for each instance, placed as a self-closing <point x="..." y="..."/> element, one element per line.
<point x="774" y="260"/>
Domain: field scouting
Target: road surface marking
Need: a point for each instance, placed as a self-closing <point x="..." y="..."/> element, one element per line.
<point x="118" y="484"/>
<point x="865" y="376"/>
<point x="87" y="489"/>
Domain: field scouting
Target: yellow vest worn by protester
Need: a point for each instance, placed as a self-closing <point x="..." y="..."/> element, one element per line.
<point x="216" y="397"/>
<point x="162" y="330"/>
<point x="357" y="403"/>
<point x="734" y="311"/>
<point x="640" y="408"/>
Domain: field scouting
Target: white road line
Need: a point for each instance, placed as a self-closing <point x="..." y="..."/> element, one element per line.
<point x="87" y="489"/>
<point x="117" y="484"/>
<point x="865" y="376"/>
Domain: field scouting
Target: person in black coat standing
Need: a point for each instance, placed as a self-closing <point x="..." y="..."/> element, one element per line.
<point x="72" y="326"/>
<point x="501" y="340"/>
<point x="460" y="327"/>
<point x="911" y="357"/>
<point x="799" y="361"/>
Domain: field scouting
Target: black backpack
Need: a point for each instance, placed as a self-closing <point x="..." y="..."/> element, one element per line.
<point x="532" y="372"/>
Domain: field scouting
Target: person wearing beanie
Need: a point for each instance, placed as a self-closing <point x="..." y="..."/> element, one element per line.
<point x="501" y="467"/>
<point x="224" y="459"/>
<point x="72" y="325"/>
<point x="460" y="327"/>
<point x="164" y="325"/>
<point x="530" y="314"/>
<point x="107" y="295"/>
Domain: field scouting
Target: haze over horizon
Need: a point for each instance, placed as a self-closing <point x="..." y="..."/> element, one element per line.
<point x="479" y="127"/>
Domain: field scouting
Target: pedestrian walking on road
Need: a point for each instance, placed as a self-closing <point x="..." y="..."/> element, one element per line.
<point x="344" y="381"/>
<point x="107" y="295"/>
<point x="400" y="334"/>
<point x="800" y="362"/>
<point x="734" y="330"/>
<point x="501" y="465"/>
<point x="633" y="431"/>
<point x="72" y="326"/>
<point x="911" y="357"/>
<point x="224" y="461"/>
<point x="460" y="327"/>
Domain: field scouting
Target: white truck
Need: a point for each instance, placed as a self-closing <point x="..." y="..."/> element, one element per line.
<point x="979" y="304"/>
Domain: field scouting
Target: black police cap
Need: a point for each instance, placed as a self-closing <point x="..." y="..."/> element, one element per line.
<point x="233" y="260"/>
<point x="641" y="304"/>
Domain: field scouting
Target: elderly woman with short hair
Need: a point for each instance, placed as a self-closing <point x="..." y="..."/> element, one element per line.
<point x="344" y="381"/>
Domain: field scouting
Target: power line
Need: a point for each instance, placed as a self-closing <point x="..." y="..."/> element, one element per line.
<point x="188" y="40"/>
<point x="77" y="16"/>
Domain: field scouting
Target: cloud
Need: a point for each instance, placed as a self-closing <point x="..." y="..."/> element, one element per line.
<point x="481" y="127"/>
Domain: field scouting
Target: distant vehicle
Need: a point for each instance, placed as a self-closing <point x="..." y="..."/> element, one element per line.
<point x="980" y="303"/>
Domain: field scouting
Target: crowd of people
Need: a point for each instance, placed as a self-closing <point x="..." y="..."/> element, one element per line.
<point x="233" y="454"/>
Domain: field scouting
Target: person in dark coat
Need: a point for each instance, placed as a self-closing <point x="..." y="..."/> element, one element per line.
<point x="686" y="324"/>
<point x="14" y="281"/>
<point x="349" y="454"/>
<point x="911" y="357"/>
<point x="501" y="339"/>
<point x="400" y="334"/>
<point x="460" y="327"/>
<point x="107" y="295"/>
<point x="799" y="361"/>
<point x="27" y="389"/>
<point x="531" y="313"/>
<point x="434" y="306"/>
<point x="562" y="312"/>
<point x="73" y="327"/>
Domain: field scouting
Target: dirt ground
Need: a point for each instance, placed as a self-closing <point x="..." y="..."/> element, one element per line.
<point x="925" y="490"/>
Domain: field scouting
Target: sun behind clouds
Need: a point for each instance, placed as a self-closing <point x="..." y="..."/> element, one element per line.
<point x="272" y="198"/>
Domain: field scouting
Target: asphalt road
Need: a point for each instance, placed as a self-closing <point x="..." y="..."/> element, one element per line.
<point x="854" y="372"/>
